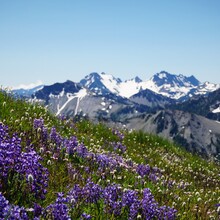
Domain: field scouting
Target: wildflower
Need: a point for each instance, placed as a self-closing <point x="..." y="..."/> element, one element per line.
<point x="197" y="193"/>
<point x="218" y="208"/>
<point x="26" y="164"/>
<point x="139" y="216"/>
<point x="59" y="209"/>
<point x="8" y="211"/>
<point x="199" y="199"/>
<point x="30" y="178"/>
<point x="85" y="216"/>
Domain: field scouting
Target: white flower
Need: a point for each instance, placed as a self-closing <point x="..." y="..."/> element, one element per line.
<point x="30" y="178"/>
<point x="139" y="216"/>
<point x="218" y="209"/>
<point x="199" y="199"/>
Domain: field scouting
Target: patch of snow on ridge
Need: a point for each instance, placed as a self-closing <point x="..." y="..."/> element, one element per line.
<point x="80" y="95"/>
<point x="129" y="88"/>
<point x="217" y="110"/>
<point x="110" y="82"/>
<point x="211" y="86"/>
<point x="70" y="97"/>
<point x="162" y="75"/>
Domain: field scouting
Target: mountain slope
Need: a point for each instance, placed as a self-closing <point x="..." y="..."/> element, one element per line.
<point x="57" y="89"/>
<point x="195" y="133"/>
<point x="207" y="106"/>
<point x="151" y="99"/>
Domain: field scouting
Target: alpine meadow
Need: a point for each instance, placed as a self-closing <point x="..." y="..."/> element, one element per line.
<point x="69" y="168"/>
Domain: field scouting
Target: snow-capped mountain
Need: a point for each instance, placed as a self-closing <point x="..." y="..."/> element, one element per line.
<point x="71" y="99"/>
<point x="159" y="91"/>
<point x="173" y="86"/>
<point x="58" y="96"/>
<point x="170" y="85"/>
<point x="57" y="89"/>
<point x="178" y="87"/>
<point x="165" y="78"/>
<point x="101" y="84"/>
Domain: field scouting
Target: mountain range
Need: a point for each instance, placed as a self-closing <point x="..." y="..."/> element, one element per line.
<point x="177" y="107"/>
<point x="177" y="87"/>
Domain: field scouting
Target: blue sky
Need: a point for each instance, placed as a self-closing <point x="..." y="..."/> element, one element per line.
<point x="53" y="40"/>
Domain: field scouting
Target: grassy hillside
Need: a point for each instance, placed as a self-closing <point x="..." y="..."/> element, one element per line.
<point x="57" y="168"/>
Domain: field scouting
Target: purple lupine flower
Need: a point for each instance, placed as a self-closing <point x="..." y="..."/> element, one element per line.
<point x="55" y="137"/>
<point x="119" y="147"/>
<point x="37" y="210"/>
<point x="81" y="151"/>
<point x="4" y="206"/>
<point x="8" y="211"/>
<point x="17" y="212"/>
<point x="24" y="164"/>
<point x="151" y="209"/>
<point x="104" y="161"/>
<point x="165" y="212"/>
<point x="85" y="216"/>
<point x="44" y="134"/>
<point x="129" y="197"/>
<point x="143" y="170"/>
<point x="134" y="209"/>
<point x="74" y="195"/>
<point x="149" y="205"/>
<point x="10" y="150"/>
<point x="92" y="192"/>
<point x="38" y="123"/>
<point x="31" y="167"/>
<point x="112" y="197"/>
<point x="59" y="210"/>
<point x="153" y="177"/>
<point x="71" y="145"/>
<point x="112" y="192"/>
